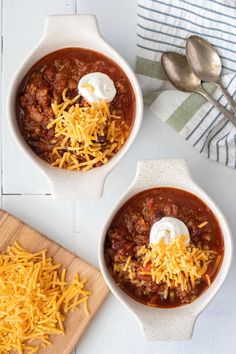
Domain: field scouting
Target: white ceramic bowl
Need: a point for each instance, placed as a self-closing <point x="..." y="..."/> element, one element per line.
<point x="63" y="32"/>
<point x="171" y="323"/>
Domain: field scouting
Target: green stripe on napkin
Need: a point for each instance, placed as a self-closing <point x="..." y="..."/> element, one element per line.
<point x="188" y="108"/>
<point x="151" y="97"/>
<point x="185" y="111"/>
<point x="150" y="68"/>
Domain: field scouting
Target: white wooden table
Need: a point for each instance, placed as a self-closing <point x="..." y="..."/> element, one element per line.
<point x="24" y="188"/>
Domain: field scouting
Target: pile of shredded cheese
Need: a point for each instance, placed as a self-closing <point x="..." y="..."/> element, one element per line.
<point x="34" y="299"/>
<point x="175" y="264"/>
<point x="81" y="130"/>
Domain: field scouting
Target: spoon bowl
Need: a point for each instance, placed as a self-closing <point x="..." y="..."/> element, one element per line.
<point x="179" y="72"/>
<point x="206" y="64"/>
<point x="203" y="59"/>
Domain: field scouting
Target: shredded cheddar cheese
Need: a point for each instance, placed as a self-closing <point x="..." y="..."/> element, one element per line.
<point x="34" y="299"/>
<point x="88" y="135"/>
<point x="175" y="264"/>
<point x="204" y="223"/>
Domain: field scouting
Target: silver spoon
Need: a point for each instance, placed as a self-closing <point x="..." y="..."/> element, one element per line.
<point x="180" y="74"/>
<point x="206" y="63"/>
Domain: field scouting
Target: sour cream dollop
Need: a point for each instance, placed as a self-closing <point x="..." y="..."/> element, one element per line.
<point x="167" y="229"/>
<point x="96" y="87"/>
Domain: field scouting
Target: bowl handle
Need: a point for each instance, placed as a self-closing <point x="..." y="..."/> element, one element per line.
<point x="168" y="327"/>
<point x="166" y="172"/>
<point x="76" y="185"/>
<point x="74" y="29"/>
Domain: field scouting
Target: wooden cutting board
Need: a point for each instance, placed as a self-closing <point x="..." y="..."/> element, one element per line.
<point x="12" y="229"/>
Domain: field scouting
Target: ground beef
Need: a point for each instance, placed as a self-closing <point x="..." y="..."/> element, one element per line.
<point x="130" y="230"/>
<point x="45" y="82"/>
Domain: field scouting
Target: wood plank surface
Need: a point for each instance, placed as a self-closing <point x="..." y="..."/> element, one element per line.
<point x="12" y="229"/>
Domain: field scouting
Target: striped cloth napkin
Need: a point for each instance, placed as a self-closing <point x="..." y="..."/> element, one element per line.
<point x="164" y="25"/>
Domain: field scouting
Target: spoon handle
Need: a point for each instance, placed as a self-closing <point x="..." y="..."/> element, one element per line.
<point x="219" y="106"/>
<point x="227" y="95"/>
